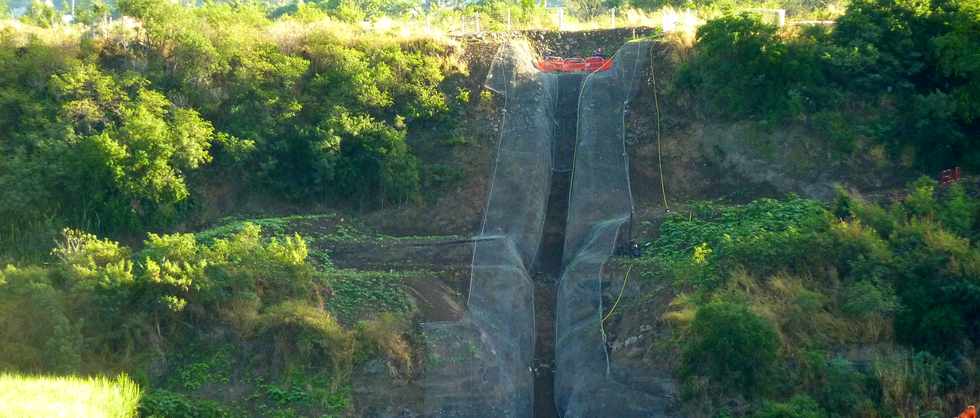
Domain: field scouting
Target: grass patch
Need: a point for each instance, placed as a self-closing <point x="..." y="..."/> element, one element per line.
<point x="358" y="294"/>
<point x="24" y="396"/>
<point x="273" y="226"/>
<point x="298" y="394"/>
<point x="200" y="366"/>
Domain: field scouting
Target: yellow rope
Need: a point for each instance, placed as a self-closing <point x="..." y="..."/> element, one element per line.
<point x="660" y="161"/>
<point x="619" y="298"/>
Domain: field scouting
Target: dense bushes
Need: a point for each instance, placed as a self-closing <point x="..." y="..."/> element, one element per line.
<point x="38" y="332"/>
<point x="129" y="128"/>
<point x="326" y="117"/>
<point x="733" y="348"/>
<point x="113" y="133"/>
<point x="164" y="403"/>
<point x="901" y="279"/>
<point x="798" y="407"/>
<point x="100" y="150"/>
<point x="302" y="334"/>
<point x="720" y="239"/>
<point x="188" y="314"/>
<point x="99" y="298"/>
<point x="774" y="78"/>
<point x="895" y="72"/>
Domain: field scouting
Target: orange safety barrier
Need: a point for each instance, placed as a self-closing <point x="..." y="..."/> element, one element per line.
<point x="550" y="64"/>
<point x="596" y="64"/>
<point x="573" y="65"/>
<point x="969" y="412"/>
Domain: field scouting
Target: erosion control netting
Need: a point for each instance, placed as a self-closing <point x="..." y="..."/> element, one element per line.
<point x="587" y="383"/>
<point x="481" y="365"/>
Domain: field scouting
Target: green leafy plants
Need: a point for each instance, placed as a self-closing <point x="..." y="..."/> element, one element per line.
<point x="897" y="73"/>
<point x="307" y="337"/>
<point x="163" y="403"/>
<point x="799" y="406"/>
<point x="792" y="280"/>
<point x="713" y="238"/>
<point x="357" y="294"/>
<point x="731" y="348"/>
<point x="197" y="370"/>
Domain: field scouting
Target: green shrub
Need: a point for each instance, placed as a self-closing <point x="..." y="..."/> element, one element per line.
<point x="91" y="139"/>
<point x="958" y="212"/>
<point x="800" y="406"/>
<point x="763" y="237"/>
<point x="843" y="389"/>
<point x="866" y="298"/>
<point x="41" y="14"/>
<point x="329" y="122"/>
<point x="958" y="65"/>
<point x="387" y="335"/>
<point x="106" y="151"/>
<point x="898" y="73"/>
<point x="302" y="336"/>
<point x="38" y="331"/>
<point x="937" y="272"/>
<point x="161" y="403"/>
<point x="775" y="78"/>
<point x="731" y="347"/>
<point x="906" y="275"/>
<point x="912" y="385"/>
<point x="848" y="207"/>
<point x="87" y="260"/>
<point x="118" y="303"/>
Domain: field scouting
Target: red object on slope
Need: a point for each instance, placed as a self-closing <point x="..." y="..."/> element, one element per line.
<point x="550" y="64"/>
<point x="949" y="176"/>
<point x="969" y="412"/>
<point x="593" y="64"/>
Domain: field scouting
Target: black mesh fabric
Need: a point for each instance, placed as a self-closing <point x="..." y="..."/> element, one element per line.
<point x="599" y="212"/>
<point x="481" y="366"/>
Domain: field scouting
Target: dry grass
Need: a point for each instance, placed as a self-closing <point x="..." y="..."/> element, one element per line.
<point x="387" y="335"/>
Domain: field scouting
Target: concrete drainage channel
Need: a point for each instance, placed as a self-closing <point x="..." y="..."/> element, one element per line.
<point x="549" y="263"/>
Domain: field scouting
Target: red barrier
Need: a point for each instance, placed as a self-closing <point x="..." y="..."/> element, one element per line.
<point x="550" y="64"/>
<point x="593" y="64"/>
<point x="949" y="176"/>
<point x="573" y="65"/>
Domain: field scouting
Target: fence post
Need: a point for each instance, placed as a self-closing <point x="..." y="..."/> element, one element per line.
<point x="781" y="17"/>
<point x="477" y="22"/>
<point x="561" y="17"/>
<point x="613" y="11"/>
